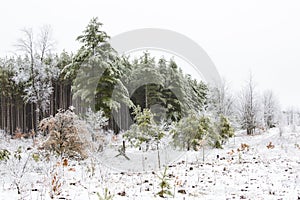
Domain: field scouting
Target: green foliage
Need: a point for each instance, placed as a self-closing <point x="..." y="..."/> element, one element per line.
<point x="196" y="94"/>
<point x="164" y="185"/>
<point x="17" y="153"/>
<point x="191" y="130"/>
<point x="222" y="132"/>
<point x="194" y="130"/>
<point x="107" y="195"/>
<point x="217" y="144"/>
<point x="98" y="70"/>
<point x="111" y="92"/>
<point x="145" y="129"/>
<point x="63" y="60"/>
<point x="225" y="129"/>
<point x="173" y="92"/>
<point x="7" y="86"/>
<point x="145" y="83"/>
<point x="163" y="83"/>
<point x="36" y="157"/>
<point x="92" y="35"/>
<point x="4" y="155"/>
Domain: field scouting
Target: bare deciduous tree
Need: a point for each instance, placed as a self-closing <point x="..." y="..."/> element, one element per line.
<point x="221" y="100"/>
<point x="45" y="43"/>
<point x="249" y="107"/>
<point x="270" y="109"/>
<point x="39" y="86"/>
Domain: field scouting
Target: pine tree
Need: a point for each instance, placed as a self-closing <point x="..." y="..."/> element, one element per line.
<point x="145" y="131"/>
<point x="191" y="131"/>
<point x="145" y="82"/>
<point x="62" y="96"/>
<point x="6" y="90"/>
<point x="174" y="92"/>
<point x="196" y="94"/>
<point x="164" y="185"/>
<point x="98" y="71"/>
<point x="225" y="129"/>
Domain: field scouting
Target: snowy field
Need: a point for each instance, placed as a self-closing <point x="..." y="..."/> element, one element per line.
<point x="258" y="170"/>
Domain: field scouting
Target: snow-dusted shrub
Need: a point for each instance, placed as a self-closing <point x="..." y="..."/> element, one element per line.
<point x="225" y="129"/>
<point x="145" y="130"/>
<point x="191" y="131"/>
<point x="195" y="130"/>
<point x="19" y="165"/>
<point x="68" y="136"/>
<point x="96" y="122"/>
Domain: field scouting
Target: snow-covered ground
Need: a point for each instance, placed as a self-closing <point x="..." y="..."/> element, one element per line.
<point x="256" y="172"/>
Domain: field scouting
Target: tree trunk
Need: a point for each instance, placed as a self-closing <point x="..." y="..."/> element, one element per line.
<point x="158" y="155"/>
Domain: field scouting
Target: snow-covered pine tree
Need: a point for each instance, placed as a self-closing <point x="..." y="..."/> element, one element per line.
<point x="99" y="62"/>
<point x="225" y="129"/>
<point x="145" y="82"/>
<point x="195" y="94"/>
<point x="220" y="105"/>
<point x="191" y="131"/>
<point x="173" y="92"/>
<point x="145" y="132"/>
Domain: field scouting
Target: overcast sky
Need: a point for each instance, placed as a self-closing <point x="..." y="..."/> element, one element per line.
<point x="239" y="36"/>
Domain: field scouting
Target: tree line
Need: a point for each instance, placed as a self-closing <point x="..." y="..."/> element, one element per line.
<point x="36" y="83"/>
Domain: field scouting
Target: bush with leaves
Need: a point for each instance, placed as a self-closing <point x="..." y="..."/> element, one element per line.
<point x="68" y="136"/>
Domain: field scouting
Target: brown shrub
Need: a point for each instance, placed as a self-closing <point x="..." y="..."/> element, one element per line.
<point x="68" y="136"/>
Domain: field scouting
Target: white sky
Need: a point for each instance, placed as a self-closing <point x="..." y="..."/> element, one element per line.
<point x="239" y="36"/>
